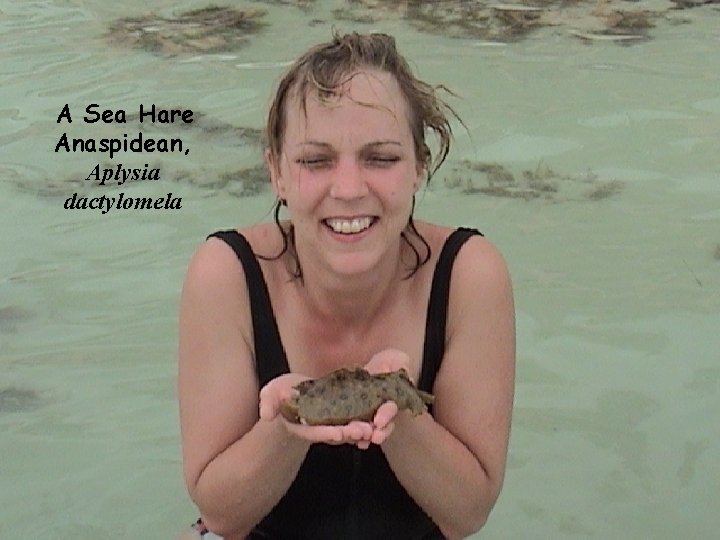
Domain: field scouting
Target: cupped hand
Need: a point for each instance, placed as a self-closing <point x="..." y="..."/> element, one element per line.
<point x="357" y="432"/>
<point x="281" y="389"/>
<point x="387" y="361"/>
<point x="278" y="390"/>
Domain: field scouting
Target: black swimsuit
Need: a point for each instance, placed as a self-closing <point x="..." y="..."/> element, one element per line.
<point x="342" y="492"/>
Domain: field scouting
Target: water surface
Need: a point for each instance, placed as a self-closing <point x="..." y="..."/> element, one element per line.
<point x="618" y="390"/>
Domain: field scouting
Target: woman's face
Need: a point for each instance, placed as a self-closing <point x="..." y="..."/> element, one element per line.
<point x="348" y="172"/>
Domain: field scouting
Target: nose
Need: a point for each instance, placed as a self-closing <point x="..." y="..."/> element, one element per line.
<point x="348" y="181"/>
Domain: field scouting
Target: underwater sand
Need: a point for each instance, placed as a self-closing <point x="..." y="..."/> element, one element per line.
<point x="615" y="431"/>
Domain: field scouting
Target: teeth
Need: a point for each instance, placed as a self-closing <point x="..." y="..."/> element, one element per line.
<point x="349" y="226"/>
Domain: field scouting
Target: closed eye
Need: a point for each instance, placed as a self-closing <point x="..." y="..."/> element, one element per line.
<point x="313" y="162"/>
<point x="383" y="161"/>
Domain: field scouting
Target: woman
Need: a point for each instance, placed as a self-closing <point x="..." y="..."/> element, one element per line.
<point x="350" y="279"/>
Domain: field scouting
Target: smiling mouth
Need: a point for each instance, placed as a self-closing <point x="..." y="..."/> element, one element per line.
<point x="349" y="226"/>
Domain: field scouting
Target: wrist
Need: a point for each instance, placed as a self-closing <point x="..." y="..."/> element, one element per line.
<point x="407" y="428"/>
<point x="285" y="437"/>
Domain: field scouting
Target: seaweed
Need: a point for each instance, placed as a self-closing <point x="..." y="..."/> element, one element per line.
<point x="52" y="188"/>
<point x="621" y="26"/>
<point x="542" y="178"/>
<point x="474" y="20"/>
<point x="509" y="22"/>
<point x="11" y="315"/>
<point x="686" y="4"/>
<point x="603" y="190"/>
<point x="245" y="182"/>
<point x="347" y="14"/>
<point x="636" y="21"/>
<point x="541" y="182"/>
<point x="207" y="30"/>
<point x="304" y="5"/>
<point x="208" y="126"/>
<point x="14" y="399"/>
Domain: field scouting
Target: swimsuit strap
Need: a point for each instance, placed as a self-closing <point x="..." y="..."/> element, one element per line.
<point x="434" y="347"/>
<point x="270" y="358"/>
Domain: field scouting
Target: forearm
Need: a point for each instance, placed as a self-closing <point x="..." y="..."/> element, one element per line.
<point x="243" y="483"/>
<point x="441" y="474"/>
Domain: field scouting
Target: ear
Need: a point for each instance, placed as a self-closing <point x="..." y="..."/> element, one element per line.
<point x="278" y="185"/>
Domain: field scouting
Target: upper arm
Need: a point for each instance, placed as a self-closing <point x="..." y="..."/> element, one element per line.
<point x="217" y="384"/>
<point x="475" y="384"/>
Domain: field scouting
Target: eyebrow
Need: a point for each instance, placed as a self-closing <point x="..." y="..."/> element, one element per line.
<point x="368" y="145"/>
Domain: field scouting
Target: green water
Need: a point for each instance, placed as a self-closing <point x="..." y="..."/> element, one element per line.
<point x="615" y="431"/>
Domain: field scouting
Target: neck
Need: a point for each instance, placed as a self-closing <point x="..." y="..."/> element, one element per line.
<point x="352" y="302"/>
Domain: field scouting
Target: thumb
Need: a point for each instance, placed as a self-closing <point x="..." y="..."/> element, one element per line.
<point x="269" y="401"/>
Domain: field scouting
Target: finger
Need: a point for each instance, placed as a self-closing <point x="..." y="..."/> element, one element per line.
<point x="385" y="414"/>
<point x="269" y="403"/>
<point x="358" y="431"/>
<point x="363" y="445"/>
<point x="326" y="434"/>
<point x="380" y="435"/>
<point x="268" y="410"/>
<point x="388" y="360"/>
<point x="275" y="392"/>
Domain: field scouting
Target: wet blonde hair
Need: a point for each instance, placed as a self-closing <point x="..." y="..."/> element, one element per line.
<point x="325" y="68"/>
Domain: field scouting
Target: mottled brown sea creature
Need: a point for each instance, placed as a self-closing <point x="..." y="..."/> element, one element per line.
<point x="352" y="394"/>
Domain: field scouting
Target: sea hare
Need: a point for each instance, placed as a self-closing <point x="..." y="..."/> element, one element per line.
<point x="352" y="394"/>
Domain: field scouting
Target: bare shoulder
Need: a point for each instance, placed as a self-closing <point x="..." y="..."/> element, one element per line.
<point x="481" y="293"/>
<point x="435" y="235"/>
<point x="264" y="239"/>
<point x="480" y="262"/>
<point x="214" y="305"/>
<point x="215" y="264"/>
<point x="478" y="259"/>
<point x="215" y="292"/>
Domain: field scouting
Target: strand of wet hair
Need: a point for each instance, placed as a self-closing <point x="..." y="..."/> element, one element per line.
<point x="288" y="244"/>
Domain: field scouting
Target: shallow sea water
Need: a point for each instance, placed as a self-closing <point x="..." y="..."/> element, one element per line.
<point x="615" y="431"/>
